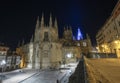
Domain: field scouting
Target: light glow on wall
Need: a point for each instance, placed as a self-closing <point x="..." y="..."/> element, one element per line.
<point x="69" y="55"/>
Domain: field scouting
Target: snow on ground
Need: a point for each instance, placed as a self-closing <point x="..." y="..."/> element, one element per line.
<point x="103" y="70"/>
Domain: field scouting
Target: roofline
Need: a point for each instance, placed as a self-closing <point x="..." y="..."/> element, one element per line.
<point x="115" y="7"/>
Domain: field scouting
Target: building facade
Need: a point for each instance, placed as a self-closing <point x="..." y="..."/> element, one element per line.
<point x="47" y="51"/>
<point x="108" y="37"/>
<point x="8" y="60"/>
<point x="3" y="50"/>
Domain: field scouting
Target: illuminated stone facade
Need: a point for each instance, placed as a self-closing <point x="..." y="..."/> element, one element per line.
<point x="108" y="37"/>
<point x="3" y="50"/>
<point x="47" y="51"/>
<point x="46" y="48"/>
<point x="74" y="48"/>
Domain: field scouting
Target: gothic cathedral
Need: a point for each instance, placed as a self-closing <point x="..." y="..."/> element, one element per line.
<point x="47" y="51"/>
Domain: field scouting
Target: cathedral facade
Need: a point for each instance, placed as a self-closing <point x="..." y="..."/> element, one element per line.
<point x="46" y="50"/>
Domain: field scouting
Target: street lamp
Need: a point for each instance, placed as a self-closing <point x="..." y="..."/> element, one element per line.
<point x="69" y="55"/>
<point x="3" y="62"/>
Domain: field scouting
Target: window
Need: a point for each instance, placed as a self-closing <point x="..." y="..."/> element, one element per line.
<point x="119" y="23"/>
<point x="114" y="28"/>
<point x="46" y="36"/>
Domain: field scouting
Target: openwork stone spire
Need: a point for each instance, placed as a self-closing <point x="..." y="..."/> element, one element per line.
<point x="37" y="24"/>
<point x="42" y="21"/>
<point x="55" y="23"/>
<point x="50" y="21"/>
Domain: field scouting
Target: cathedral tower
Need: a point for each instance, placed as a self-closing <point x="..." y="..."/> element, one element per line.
<point x="67" y="34"/>
<point x="45" y="38"/>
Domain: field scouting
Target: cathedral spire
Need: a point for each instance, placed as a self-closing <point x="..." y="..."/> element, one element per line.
<point x="64" y="28"/>
<point x="87" y="36"/>
<point x="79" y="34"/>
<point x="55" y="23"/>
<point x="37" y="24"/>
<point x="42" y="20"/>
<point x="67" y="28"/>
<point x="70" y="29"/>
<point x="50" y="21"/>
<point x="18" y="44"/>
<point x="31" y="40"/>
<point x="23" y="42"/>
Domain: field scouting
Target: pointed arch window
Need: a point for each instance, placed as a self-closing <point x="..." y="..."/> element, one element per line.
<point x="119" y="23"/>
<point x="46" y="38"/>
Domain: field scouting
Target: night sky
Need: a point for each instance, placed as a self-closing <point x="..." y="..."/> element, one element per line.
<point x="18" y="18"/>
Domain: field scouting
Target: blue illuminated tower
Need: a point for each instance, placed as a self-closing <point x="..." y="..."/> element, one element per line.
<point x="79" y="35"/>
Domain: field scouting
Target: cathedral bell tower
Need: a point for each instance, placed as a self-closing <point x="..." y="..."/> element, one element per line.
<point x="44" y="37"/>
<point x="67" y="34"/>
